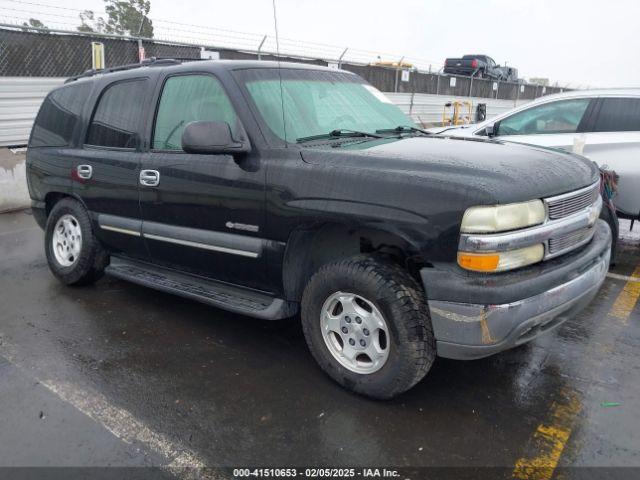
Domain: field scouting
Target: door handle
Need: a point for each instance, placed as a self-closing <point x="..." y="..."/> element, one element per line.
<point x="84" y="171"/>
<point x="149" y="178"/>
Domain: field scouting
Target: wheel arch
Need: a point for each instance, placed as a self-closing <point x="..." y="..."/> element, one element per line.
<point x="310" y="247"/>
<point x="53" y="197"/>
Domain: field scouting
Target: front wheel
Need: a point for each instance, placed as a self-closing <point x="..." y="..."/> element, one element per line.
<point x="367" y="325"/>
<point x="74" y="254"/>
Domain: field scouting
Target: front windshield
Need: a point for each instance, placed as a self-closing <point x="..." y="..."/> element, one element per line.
<point x="317" y="102"/>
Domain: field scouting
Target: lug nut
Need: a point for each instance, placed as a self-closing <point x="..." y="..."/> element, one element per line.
<point x="363" y="343"/>
<point x="365" y="331"/>
<point x="352" y="342"/>
<point x="344" y="330"/>
<point x="347" y="319"/>
<point x="358" y="320"/>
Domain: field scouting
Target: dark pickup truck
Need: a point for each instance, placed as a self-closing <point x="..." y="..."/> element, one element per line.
<point x="481" y="66"/>
<point x="280" y="191"/>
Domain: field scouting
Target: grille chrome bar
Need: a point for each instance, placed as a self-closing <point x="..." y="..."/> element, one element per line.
<point x="567" y="204"/>
<point x="561" y="244"/>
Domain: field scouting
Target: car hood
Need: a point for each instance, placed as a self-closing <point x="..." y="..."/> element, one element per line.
<point x="488" y="171"/>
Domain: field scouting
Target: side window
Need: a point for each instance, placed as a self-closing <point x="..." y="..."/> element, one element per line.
<point x="555" y="117"/>
<point x="116" y="120"/>
<point x="59" y="115"/>
<point x="189" y="98"/>
<point x="618" y="115"/>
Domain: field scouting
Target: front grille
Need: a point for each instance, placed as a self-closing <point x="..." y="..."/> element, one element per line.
<point x="570" y="203"/>
<point x="569" y="241"/>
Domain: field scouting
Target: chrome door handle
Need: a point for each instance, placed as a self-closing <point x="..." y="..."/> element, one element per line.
<point x="84" y="171"/>
<point x="149" y="178"/>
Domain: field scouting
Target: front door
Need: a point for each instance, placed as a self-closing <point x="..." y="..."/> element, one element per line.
<point x="201" y="213"/>
<point x="553" y="124"/>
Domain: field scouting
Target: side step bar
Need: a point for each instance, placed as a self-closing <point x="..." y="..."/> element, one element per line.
<point x="233" y="299"/>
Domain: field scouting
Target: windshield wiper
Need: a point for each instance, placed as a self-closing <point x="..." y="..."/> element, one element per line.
<point x="404" y="129"/>
<point x="338" y="133"/>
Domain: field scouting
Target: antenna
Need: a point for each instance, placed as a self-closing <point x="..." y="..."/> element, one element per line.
<point x="275" y="24"/>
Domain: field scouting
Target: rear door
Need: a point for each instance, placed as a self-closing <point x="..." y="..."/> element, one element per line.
<point x="553" y="124"/>
<point x="107" y="166"/>
<point x="613" y="140"/>
<point x="202" y="213"/>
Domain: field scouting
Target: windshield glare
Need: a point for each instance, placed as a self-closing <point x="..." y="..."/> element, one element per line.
<point x="318" y="102"/>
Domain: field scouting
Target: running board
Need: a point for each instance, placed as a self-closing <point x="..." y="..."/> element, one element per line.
<point x="233" y="299"/>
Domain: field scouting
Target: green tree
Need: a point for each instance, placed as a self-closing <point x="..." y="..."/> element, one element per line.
<point x="124" y="17"/>
<point x="89" y="22"/>
<point x="33" y="22"/>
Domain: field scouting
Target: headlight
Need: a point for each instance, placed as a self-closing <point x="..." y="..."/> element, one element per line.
<point x="500" y="218"/>
<point x="499" y="261"/>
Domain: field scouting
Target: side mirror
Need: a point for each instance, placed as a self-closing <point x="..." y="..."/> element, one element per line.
<point x="212" y="138"/>
<point x="490" y="129"/>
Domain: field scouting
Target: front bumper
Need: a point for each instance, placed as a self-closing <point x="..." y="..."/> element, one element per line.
<point x="475" y="315"/>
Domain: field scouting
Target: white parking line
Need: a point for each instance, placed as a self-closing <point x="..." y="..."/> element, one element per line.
<point x="124" y="425"/>
<point x="182" y="462"/>
<point x="626" y="278"/>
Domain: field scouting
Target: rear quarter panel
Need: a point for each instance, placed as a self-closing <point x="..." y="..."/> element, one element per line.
<point x="48" y="170"/>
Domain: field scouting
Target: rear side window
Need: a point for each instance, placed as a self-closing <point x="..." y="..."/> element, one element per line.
<point x="190" y="98"/>
<point x="618" y="115"/>
<point x="116" y="121"/>
<point x="59" y="115"/>
<point x="553" y="117"/>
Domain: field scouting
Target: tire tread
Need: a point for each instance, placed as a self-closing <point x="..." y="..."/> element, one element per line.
<point x="410" y="307"/>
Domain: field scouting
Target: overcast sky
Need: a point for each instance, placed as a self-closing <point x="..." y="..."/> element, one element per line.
<point x="576" y="42"/>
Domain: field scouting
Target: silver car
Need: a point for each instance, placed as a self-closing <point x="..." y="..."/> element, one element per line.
<point x="603" y="125"/>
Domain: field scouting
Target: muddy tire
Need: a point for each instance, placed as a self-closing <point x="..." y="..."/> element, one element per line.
<point x="74" y="254"/>
<point x="366" y="323"/>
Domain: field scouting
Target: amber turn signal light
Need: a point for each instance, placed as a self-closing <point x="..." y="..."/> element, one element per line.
<point x="478" y="263"/>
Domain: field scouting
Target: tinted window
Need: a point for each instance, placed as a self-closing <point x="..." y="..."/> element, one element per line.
<point x="618" y="115"/>
<point x="59" y="115"/>
<point x="189" y="98"/>
<point x="554" y="117"/>
<point x="116" y="121"/>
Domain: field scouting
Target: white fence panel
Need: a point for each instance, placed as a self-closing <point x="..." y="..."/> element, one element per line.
<point x="20" y="99"/>
<point x="427" y="109"/>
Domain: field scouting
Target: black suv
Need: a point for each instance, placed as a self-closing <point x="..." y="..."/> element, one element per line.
<point x="272" y="190"/>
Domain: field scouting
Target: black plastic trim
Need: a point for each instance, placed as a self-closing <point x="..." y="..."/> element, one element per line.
<point x="232" y="298"/>
<point x="250" y="246"/>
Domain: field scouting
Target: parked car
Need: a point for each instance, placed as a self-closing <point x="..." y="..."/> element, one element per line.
<point x="606" y="121"/>
<point x="393" y="245"/>
<point x="481" y="66"/>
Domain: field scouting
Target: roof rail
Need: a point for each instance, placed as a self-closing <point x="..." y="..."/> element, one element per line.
<point x="147" y="62"/>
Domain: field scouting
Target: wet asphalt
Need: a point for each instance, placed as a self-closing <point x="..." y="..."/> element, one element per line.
<point x="120" y="375"/>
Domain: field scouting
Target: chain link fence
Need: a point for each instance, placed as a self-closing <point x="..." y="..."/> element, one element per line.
<point x="30" y="52"/>
<point x="39" y="54"/>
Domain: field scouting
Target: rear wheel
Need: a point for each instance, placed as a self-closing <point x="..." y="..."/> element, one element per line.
<point x="74" y="254"/>
<point x="367" y="325"/>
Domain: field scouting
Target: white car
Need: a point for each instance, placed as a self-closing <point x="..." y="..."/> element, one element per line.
<point x="606" y="122"/>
